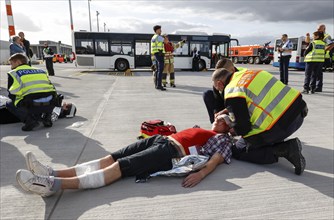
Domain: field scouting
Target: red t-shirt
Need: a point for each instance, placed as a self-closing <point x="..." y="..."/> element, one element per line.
<point x="193" y="137"/>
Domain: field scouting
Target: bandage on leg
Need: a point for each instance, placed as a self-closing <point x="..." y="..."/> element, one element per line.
<point x="91" y="180"/>
<point x="87" y="167"/>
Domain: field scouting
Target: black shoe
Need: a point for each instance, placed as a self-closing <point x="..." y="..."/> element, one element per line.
<point x="30" y="126"/>
<point x="164" y="85"/>
<point x="46" y="120"/>
<point x="318" y="90"/>
<point x="305" y="91"/>
<point x="292" y="151"/>
<point x="161" y="88"/>
<point x="172" y="85"/>
<point x="312" y="91"/>
<point x="47" y="124"/>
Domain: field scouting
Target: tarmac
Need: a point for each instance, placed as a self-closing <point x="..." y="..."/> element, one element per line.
<point x="111" y="108"/>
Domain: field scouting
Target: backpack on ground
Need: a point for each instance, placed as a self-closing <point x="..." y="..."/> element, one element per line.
<point x="154" y="127"/>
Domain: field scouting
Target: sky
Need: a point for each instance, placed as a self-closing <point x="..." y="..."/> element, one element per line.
<point x="250" y="21"/>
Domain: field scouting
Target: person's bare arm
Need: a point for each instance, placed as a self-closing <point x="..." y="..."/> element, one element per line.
<point x="194" y="178"/>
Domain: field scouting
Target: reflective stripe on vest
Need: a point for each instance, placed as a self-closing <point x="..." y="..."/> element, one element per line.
<point x="156" y="46"/>
<point x="28" y="80"/>
<point x="318" y="52"/>
<point x="267" y="98"/>
<point x="327" y="55"/>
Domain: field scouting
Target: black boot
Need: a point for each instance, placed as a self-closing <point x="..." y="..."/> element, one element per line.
<point x="46" y="120"/>
<point x="29" y="124"/>
<point x="292" y="151"/>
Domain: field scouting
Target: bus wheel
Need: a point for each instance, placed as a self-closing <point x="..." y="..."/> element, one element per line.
<point x="257" y="60"/>
<point x="250" y="60"/>
<point x="201" y="65"/>
<point x="267" y="62"/>
<point x="121" y="65"/>
<point x="235" y="60"/>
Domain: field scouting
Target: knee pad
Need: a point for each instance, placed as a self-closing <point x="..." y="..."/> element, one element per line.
<point x="91" y="180"/>
<point x="87" y="167"/>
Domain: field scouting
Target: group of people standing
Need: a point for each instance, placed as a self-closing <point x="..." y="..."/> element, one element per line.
<point x="163" y="58"/>
<point x="19" y="44"/>
<point x="315" y="55"/>
<point x="318" y="48"/>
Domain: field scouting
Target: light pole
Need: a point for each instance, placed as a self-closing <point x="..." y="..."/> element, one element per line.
<point x="69" y="2"/>
<point x="90" y="20"/>
<point x="97" y="16"/>
<point x="104" y="27"/>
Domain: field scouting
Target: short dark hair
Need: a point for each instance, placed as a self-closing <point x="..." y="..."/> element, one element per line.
<point x="19" y="56"/>
<point x="319" y="34"/>
<point x="284" y="35"/>
<point x="156" y="27"/>
<point x="220" y="74"/>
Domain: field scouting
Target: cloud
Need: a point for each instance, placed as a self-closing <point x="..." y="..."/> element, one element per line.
<point x="24" y="22"/>
<point x="261" y="10"/>
<point x="134" y="25"/>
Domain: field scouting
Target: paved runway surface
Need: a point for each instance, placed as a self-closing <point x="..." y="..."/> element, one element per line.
<point x="110" y="111"/>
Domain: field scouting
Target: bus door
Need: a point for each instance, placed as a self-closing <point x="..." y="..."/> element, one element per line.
<point x="218" y="50"/>
<point x="142" y="54"/>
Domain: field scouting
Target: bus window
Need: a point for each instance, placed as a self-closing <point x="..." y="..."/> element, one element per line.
<point x="202" y="47"/>
<point x="101" y="46"/>
<point x="118" y="47"/>
<point x="223" y="50"/>
<point x="84" y="46"/>
<point x="142" y="48"/>
<point x="181" y="51"/>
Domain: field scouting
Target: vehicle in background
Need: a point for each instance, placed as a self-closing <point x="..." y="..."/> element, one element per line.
<point x="257" y="54"/>
<point x="297" y="55"/>
<point x="132" y="50"/>
<point x="58" y="58"/>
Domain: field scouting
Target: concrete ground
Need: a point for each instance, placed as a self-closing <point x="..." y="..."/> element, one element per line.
<point x="110" y="111"/>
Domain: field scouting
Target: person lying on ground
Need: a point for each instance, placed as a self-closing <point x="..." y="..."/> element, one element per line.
<point x="141" y="158"/>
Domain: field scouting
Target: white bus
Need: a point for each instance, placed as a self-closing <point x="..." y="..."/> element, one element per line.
<point x="297" y="56"/>
<point x="105" y="50"/>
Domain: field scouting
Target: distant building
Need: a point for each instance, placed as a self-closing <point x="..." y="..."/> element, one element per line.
<point x="4" y="51"/>
<point x="57" y="47"/>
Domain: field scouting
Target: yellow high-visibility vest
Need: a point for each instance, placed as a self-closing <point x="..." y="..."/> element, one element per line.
<point x="267" y="98"/>
<point x="156" y="46"/>
<point x="318" y="52"/>
<point x="28" y="80"/>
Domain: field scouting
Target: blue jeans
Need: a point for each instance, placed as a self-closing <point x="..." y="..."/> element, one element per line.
<point x="146" y="156"/>
<point x="160" y="67"/>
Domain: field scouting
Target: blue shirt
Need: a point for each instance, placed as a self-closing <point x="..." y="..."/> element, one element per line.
<point x="15" y="48"/>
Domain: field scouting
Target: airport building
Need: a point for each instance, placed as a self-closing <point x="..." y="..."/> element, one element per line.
<point x="57" y="47"/>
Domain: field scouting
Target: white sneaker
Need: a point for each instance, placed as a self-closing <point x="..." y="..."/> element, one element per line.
<point x="40" y="185"/>
<point x="37" y="167"/>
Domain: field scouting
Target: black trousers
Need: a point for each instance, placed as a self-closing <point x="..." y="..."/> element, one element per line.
<point x="146" y="156"/>
<point x="262" y="152"/>
<point x="312" y="71"/>
<point x="49" y="66"/>
<point x="284" y="69"/>
<point x="213" y="105"/>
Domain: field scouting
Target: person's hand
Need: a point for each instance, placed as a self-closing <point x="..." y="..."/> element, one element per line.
<point x="225" y="111"/>
<point x="192" y="180"/>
